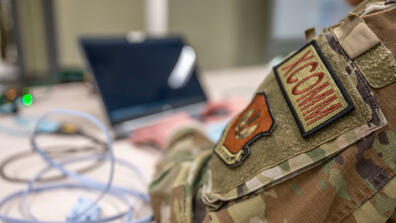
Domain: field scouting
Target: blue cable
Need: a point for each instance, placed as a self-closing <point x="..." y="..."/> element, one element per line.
<point x="83" y="182"/>
<point x="27" y="126"/>
<point x="72" y="174"/>
<point x="97" y="187"/>
<point x="115" y="192"/>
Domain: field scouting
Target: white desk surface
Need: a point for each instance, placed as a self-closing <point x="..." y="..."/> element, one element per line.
<point x="54" y="205"/>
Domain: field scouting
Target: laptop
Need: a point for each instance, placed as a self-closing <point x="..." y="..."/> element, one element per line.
<point x="141" y="81"/>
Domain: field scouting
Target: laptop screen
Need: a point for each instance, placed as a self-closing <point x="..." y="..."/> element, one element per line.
<point x="133" y="77"/>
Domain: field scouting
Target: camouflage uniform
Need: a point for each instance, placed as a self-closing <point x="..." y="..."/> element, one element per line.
<point x="271" y="168"/>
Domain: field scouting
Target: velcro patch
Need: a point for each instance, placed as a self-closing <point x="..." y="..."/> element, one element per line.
<point x="255" y="121"/>
<point x="313" y="92"/>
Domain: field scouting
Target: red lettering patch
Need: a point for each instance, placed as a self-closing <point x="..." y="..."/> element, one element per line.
<point x="314" y="94"/>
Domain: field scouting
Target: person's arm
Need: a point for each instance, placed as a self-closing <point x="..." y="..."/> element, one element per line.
<point x="166" y="131"/>
<point x="179" y="126"/>
<point x="179" y="174"/>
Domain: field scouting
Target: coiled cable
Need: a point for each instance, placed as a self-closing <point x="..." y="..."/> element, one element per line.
<point x="82" y="182"/>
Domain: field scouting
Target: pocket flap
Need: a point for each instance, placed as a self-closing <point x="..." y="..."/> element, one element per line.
<point x="286" y="151"/>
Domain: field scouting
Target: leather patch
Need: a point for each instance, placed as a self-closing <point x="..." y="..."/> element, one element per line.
<point x="253" y="122"/>
<point x="314" y="94"/>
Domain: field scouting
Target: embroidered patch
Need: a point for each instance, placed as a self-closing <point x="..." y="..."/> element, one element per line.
<point x="255" y="121"/>
<point x="312" y="90"/>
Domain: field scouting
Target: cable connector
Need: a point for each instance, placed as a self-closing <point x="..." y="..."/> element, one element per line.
<point x="81" y="205"/>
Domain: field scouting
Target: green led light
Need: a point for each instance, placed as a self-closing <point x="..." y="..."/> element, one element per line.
<point x="27" y="99"/>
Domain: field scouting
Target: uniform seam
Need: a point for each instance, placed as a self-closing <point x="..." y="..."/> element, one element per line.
<point x="372" y="102"/>
<point x="361" y="188"/>
<point x="358" y="74"/>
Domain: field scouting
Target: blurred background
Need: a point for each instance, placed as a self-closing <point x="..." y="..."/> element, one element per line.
<point x="41" y="35"/>
<point x="140" y="82"/>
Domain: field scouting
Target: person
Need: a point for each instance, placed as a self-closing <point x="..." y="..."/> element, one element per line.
<point x="317" y="143"/>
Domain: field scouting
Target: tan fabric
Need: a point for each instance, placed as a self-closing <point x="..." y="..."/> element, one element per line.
<point x="343" y="179"/>
<point x="310" y="34"/>
<point x="386" y="99"/>
<point x="384" y="26"/>
<point x="285" y="140"/>
<point x="331" y="192"/>
<point x="357" y="185"/>
<point x="355" y="36"/>
<point x="362" y="6"/>
<point x="378" y="66"/>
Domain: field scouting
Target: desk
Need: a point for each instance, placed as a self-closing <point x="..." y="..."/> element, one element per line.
<point x="50" y="206"/>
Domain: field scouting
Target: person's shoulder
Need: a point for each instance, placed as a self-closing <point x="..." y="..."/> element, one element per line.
<point x="320" y="122"/>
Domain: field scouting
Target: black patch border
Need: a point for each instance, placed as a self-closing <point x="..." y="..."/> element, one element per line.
<point x="246" y="148"/>
<point x="342" y="113"/>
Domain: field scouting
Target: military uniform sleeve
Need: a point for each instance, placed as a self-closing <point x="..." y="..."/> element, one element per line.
<point x="179" y="175"/>
<point x="392" y="219"/>
<point x="353" y="186"/>
<point x="317" y="143"/>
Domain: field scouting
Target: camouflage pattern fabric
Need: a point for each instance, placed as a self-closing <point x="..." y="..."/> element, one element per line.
<point x="302" y="161"/>
<point x="346" y="176"/>
<point x="335" y="191"/>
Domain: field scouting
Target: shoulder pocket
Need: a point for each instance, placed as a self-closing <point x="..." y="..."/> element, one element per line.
<point x="290" y="150"/>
